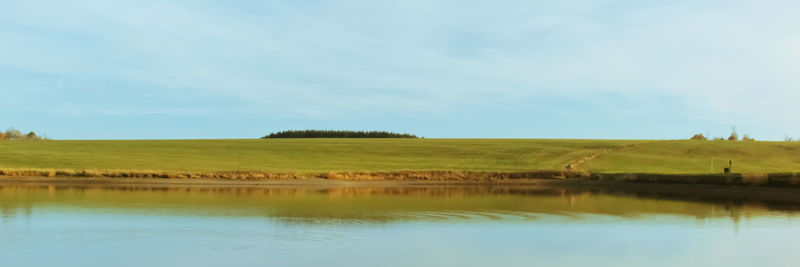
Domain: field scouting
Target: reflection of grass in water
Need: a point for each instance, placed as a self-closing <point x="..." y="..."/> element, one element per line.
<point x="361" y="204"/>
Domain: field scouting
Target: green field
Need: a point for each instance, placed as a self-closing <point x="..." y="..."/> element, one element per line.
<point x="338" y="155"/>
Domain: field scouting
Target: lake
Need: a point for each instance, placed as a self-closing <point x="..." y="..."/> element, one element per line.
<point x="68" y="225"/>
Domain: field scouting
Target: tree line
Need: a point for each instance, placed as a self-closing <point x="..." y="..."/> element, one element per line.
<point x="733" y="137"/>
<point x="337" y="134"/>
<point x="14" y="134"/>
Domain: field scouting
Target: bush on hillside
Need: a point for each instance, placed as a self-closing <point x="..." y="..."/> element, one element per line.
<point x="699" y="137"/>
<point x="32" y="136"/>
<point x="747" y="138"/>
<point x="734" y="136"/>
<point x="337" y="134"/>
<point x="14" y="134"/>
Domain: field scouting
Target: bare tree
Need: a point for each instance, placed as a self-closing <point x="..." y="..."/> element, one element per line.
<point x="734" y="136"/>
<point x="12" y="134"/>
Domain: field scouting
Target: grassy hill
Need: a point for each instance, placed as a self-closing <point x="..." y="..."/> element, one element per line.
<point x="700" y="157"/>
<point x="324" y="155"/>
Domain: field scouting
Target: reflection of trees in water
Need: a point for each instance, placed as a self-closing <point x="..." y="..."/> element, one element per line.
<point x="381" y="204"/>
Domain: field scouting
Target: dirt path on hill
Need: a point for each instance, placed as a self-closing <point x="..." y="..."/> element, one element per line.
<point x="575" y="165"/>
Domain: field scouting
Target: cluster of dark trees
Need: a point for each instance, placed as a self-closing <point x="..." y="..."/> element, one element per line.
<point x="337" y="134"/>
<point x="14" y="134"/>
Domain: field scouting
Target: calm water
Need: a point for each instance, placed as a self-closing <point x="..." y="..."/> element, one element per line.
<point x="411" y="226"/>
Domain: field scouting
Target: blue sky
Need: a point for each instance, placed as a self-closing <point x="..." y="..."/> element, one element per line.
<point x="124" y="69"/>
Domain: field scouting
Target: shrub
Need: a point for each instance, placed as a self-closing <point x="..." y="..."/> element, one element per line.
<point x="32" y="136"/>
<point x="699" y="137"/>
<point x="747" y="138"/>
<point x="12" y="134"/>
<point x="734" y="136"/>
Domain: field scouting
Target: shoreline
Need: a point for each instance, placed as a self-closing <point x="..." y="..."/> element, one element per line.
<point x="727" y="192"/>
<point x="299" y="182"/>
<point x="788" y="179"/>
<point x="439" y="175"/>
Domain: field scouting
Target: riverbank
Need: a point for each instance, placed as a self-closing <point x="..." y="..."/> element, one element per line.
<point x="660" y="190"/>
<point x="766" y="179"/>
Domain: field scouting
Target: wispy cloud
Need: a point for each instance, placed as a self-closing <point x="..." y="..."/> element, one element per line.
<point x="722" y="62"/>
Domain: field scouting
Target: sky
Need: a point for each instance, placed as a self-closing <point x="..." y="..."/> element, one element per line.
<point x="619" y="69"/>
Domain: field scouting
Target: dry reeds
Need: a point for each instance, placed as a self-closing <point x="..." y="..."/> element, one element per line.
<point x="229" y="175"/>
<point x="345" y="176"/>
<point x="451" y="175"/>
<point x="750" y="179"/>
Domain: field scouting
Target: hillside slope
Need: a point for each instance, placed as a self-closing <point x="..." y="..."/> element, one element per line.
<point x="369" y="155"/>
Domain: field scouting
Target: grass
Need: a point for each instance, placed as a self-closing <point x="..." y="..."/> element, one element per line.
<point x="678" y="157"/>
<point x="387" y="155"/>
